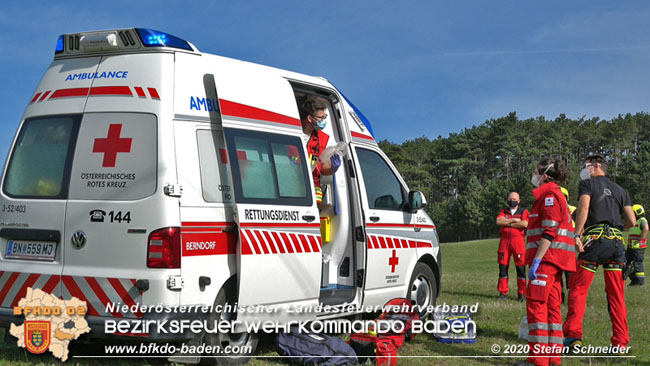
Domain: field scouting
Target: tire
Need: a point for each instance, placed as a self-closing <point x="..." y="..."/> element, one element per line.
<point x="422" y="289"/>
<point x="228" y="295"/>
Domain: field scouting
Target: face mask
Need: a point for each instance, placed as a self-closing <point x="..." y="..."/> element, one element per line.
<point x="513" y="204"/>
<point x="535" y="180"/>
<point x="321" y="124"/>
<point x="584" y="174"/>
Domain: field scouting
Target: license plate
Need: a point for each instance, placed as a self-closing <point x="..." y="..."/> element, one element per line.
<point x="35" y="250"/>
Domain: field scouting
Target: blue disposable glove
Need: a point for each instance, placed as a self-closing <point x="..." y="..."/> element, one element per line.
<point x="336" y="161"/>
<point x="532" y="272"/>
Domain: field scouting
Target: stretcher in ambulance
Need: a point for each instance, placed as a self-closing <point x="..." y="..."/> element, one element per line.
<point x="145" y="172"/>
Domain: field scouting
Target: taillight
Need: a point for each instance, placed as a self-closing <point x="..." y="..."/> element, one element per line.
<point x="164" y="248"/>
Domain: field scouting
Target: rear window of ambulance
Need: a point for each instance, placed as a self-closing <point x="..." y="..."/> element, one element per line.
<point x="40" y="162"/>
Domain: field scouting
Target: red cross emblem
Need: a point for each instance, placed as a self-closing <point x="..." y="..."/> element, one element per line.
<point x="393" y="261"/>
<point x="112" y="145"/>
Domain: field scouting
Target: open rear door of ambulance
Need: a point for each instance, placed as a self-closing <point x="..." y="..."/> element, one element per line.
<point x="279" y="250"/>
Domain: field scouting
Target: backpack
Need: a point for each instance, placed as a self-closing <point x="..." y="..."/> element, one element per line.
<point x="459" y="318"/>
<point x="314" y="349"/>
<point x="399" y="310"/>
<point x="370" y="346"/>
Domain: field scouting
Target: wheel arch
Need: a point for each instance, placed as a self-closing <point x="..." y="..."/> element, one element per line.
<point x="436" y="268"/>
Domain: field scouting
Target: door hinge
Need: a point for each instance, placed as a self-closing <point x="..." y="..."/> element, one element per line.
<point x="351" y="169"/>
<point x="360" y="274"/>
<point x="358" y="234"/>
<point x="173" y="190"/>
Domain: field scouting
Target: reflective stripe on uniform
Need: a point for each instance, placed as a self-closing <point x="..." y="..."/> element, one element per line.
<point x="554" y="245"/>
<point x="550" y="223"/>
<point x="538" y="339"/>
<point x="555" y="326"/>
<point x="540" y="231"/>
<point x="613" y="267"/>
<point x="555" y="340"/>
<point x="537" y="326"/>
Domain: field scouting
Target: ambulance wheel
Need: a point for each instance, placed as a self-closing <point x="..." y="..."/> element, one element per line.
<point x="241" y="346"/>
<point x="422" y="289"/>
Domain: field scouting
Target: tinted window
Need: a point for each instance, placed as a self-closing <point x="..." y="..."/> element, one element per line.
<point x="268" y="168"/>
<point x="41" y="159"/>
<point x="383" y="189"/>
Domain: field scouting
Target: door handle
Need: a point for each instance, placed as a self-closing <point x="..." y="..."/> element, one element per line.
<point x="309" y="218"/>
<point x="417" y="229"/>
<point x="374" y="218"/>
<point x="229" y="229"/>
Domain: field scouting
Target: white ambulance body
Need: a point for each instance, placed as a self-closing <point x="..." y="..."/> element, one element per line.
<point x="145" y="172"/>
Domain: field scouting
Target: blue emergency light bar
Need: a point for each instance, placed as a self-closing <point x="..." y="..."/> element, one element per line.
<point x="59" y="45"/>
<point x="154" y="38"/>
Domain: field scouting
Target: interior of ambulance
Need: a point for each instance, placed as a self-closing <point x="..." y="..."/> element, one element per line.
<point x="337" y="211"/>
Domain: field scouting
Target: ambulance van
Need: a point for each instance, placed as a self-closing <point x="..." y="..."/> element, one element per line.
<point x="145" y="172"/>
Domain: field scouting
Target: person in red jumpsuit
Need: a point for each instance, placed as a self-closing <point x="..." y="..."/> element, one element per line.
<point x="512" y="221"/>
<point x="601" y="208"/>
<point x="313" y="120"/>
<point x="550" y="251"/>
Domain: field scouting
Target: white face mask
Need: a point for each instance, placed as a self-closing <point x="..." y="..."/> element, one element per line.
<point x="535" y="180"/>
<point x="584" y="174"/>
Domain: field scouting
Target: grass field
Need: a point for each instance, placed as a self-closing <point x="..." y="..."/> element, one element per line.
<point x="469" y="276"/>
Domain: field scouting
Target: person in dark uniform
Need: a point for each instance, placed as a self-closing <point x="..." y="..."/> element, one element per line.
<point x="512" y="221"/>
<point x="599" y="239"/>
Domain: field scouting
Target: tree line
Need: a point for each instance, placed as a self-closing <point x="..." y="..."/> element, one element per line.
<point x="467" y="176"/>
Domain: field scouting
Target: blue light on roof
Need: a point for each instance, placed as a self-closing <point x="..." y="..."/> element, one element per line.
<point x="154" y="38"/>
<point x="360" y="115"/>
<point x="59" y="45"/>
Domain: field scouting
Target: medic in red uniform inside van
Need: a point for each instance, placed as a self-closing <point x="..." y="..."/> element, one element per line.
<point x="513" y="222"/>
<point x="314" y="120"/>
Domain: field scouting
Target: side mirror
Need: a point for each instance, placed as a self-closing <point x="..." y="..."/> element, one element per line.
<point x="416" y="201"/>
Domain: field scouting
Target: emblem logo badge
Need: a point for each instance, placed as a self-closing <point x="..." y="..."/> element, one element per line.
<point x="37" y="335"/>
<point x="78" y="239"/>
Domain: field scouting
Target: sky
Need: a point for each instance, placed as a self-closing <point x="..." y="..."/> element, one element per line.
<point x="414" y="68"/>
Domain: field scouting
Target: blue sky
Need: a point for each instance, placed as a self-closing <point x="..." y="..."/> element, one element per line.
<point x="413" y="67"/>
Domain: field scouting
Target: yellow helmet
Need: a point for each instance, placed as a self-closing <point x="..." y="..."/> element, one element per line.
<point x="638" y="209"/>
<point x="565" y="192"/>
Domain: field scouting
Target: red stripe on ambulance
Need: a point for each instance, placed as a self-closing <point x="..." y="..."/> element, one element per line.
<point x="361" y="136"/>
<point x="23" y="290"/>
<point x="385" y="242"/>
<point x="35" y="97"/>
<point x="111" y="90"/>
<point x="75" y="291"/>
<point x="234" y="109"/>
<point x="274" y="242"/>
<point x="68" y="93"/>
<point x="97" y="292"/>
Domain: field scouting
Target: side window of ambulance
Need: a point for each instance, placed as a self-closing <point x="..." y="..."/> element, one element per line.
<point x="268" y="168"/>
<point x="213" y="161"/>
<point x="383" y="189"/>
<point x="41" y="159"/>
<point x="115" y="157"/>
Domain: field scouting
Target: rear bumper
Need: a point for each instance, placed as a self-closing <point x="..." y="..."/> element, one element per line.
<point x="151" y="327"/>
